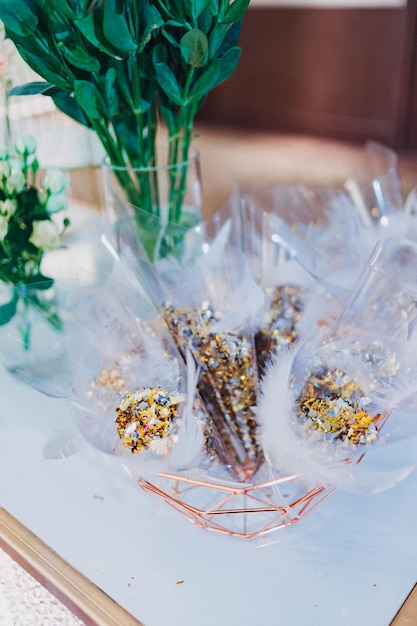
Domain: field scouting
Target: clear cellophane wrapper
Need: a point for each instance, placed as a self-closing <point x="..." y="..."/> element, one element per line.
<point x="132" y="394"/>
<point x="295" y="302"/>
<point x="208" y="298"/>
<point x="242" y="317"/>
<point x="344" y="393"/>
<point x="331" y="232"/>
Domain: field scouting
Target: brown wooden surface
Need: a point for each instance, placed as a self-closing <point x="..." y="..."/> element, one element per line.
<point x="407" y="615"/>
<point x="341" y="73"/>
<point x="73" y="589"/>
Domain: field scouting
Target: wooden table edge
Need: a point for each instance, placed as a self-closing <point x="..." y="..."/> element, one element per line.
<point x="87" y="601"/>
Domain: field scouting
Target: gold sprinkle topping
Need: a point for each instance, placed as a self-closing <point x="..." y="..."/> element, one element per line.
<point x="285" y="308"/>
<point x="333" y="404"/>
<point x="146" y="419"/>
<point x="227" y="381"/>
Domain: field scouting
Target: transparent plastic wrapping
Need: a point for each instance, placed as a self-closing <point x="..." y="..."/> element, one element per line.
<point x="333" y="399"/>
<point x="261" y="360"/>
<point x="295" y="301"/>
<point x="208" y="299"/>
<point x="208" y="309"/>
<point x="376" y="187"/>
<point x="133" y="394"/>
<point x="32" y="337"/>
<point x="318" y="228"/>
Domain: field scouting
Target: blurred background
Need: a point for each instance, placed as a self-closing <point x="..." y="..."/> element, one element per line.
<point x="317" y="79"/>
<point x="342" y="69"/>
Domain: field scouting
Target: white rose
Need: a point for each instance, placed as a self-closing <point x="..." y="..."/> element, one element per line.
<point x="25" y="144"/>
<point x="57" y="202"/>
<point x="54" y="181"/>
<point x="4" y="169"/>
<point x="45" y="235"/>
<point x="4" y="226"/>
<point x="8" y="207"/>
<point x="15" y="182"/>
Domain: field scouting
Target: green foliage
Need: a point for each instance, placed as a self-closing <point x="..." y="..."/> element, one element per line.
<point x="118" y="66"/>
<point x="28" y="229"/>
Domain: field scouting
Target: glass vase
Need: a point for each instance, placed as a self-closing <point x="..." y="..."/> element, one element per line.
<point x="31" y="333"/>
<point x="162" y="201"/>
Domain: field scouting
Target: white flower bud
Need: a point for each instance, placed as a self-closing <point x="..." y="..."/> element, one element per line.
<point x="54" y="181"/>
<point x="4" y="226"/>
<point x="8" y="207"/>
<point x="25" y="144"/>
<point x="45" y="235"/>
<point x="15" y="182"/>
<point x="4" y="169"/>
<point x="57" y="202"/>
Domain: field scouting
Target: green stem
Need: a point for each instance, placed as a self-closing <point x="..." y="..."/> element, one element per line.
<point x="116" y="159"/>
<point x="179" y="156"/>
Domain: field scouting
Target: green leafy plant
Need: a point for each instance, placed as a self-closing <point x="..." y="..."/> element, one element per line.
<point x="121" y="66"/>
<point x="28" y="230"/>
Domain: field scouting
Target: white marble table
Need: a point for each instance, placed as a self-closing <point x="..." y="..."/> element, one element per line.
<point x="350" y="562"/>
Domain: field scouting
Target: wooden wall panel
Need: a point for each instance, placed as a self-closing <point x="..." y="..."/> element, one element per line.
<point x="341" y="73"/>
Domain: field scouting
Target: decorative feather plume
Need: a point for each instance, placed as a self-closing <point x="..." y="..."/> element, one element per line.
<point x="65" y="441"/>
<point x="291" y="449"/>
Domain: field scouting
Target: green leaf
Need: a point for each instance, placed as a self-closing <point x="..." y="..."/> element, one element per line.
<point x="213" y="7"/>
<point x="216" y="38"/>
<point x="8" y="310"/>
<point x="91" y="29"/>
<point x="18" y="17"/>
<point x="66" y="103"/>
<point x="115" y="28"/>
<point x="159" y="54"/>
<point x="78" y="57"/>
<point x="169" y="117"/>
<point x="110" y="93"/>
<point x="208" y="79"/>
<point x="235" y="12"/>
<point x="62" y="7"/>
<point x="170" y="38"/>
<point x="151" y="21"/>
<point x="232" y="37"/>
<point x="82" y="6"/>
<point x="30" y="89"/>
<point x="194" y="48"/>
<point x="228" y="63"/>
<point x="86" y="96"/>
<point x="45" y="64"/>
<point x="40" y="281"/>
<point x="168" y="83"/>
<point x="194" y="8"/>
<point x="205" y="21"/>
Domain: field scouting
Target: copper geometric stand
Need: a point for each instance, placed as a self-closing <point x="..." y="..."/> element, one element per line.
<point x="236" y="509"/>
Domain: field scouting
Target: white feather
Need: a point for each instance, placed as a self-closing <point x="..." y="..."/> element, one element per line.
<point x="290" y="449"/>
<point x="65" y="441"/>
<point x="245" y="301"/>
<point x="190" y="435"/>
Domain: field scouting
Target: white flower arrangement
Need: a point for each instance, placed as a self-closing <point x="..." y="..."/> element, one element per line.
<point x="27" y="225"/>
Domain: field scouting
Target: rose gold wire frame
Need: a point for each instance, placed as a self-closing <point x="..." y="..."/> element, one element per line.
<point x="240" y="510"/>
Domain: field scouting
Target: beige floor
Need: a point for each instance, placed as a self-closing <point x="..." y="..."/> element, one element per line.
<point x="264" y="159"/>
